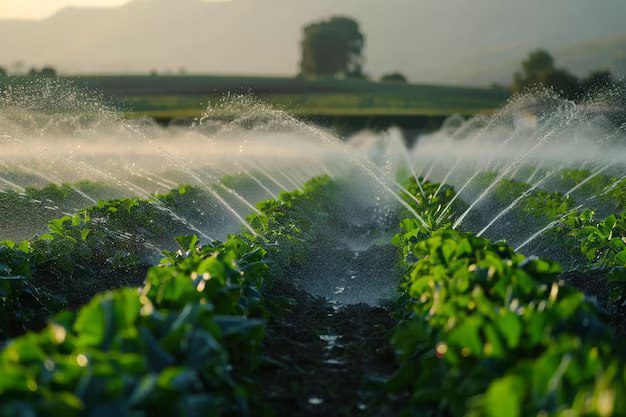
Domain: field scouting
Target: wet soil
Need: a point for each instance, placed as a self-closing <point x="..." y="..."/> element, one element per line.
<point x="327" y="346"/>
<point x="594" y="283"/>
<point x="327" y="349"/>
<point x="323" y="360"/>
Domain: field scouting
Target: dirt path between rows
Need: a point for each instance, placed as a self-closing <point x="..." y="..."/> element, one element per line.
<point x="324" y="361"/>
<point x="328" y="354"/>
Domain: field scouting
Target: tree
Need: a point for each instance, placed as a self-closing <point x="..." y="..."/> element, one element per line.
<point x="46" y="71"/>
<point x="537" y="63"/>
<point x="596" y="81"/>
<point x="394" y="77"/>
<point x="538" y="70"/>
<point x="561" y="81"/>
<point x="535" y="66"/>
<point x="332" y="47"/>
<point x="3" y="72"/>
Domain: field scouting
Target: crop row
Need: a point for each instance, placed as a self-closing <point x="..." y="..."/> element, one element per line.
<point x="102" y="247"/>
<point x="484" y="331"/>
<point x="575" y="236"/>
<point x="610" y="191"/>
<point x="592" y="250"/>
<point x="488" y="332"/>
<point x="27" y="212"/>
<point x="105" y="246"/>
<point x="184" y="343"/>
<point x="594" y="187"/>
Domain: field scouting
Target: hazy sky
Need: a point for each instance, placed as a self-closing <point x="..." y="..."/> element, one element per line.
<point x="451" y="41"/>
<point x="37" y="9"/>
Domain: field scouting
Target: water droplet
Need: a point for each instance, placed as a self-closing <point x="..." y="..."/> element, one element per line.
<point x="315" y="400"/>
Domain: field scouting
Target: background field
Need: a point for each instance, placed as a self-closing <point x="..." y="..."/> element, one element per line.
<point x="169" y="97"/>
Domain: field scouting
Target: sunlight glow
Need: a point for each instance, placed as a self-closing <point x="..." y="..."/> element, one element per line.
<point x="40" y="9"/>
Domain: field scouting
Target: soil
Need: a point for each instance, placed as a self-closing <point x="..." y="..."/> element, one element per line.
<point x="593" y="282"/>
<point x="323" y="360"/>
<point x="327" y="347"/>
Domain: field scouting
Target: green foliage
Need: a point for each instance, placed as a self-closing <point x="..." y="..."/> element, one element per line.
<point x="608" y="191"/>
<point x="603" y="243"/>
<point x="181" y="345"/>
<point x="537" y="204"/>
<point x="106" y="246"/>
<point x="538" y="70"/>
<point x="185" y="343"/>
<point x="597" y="81"/>
<point x="430" y="201"/>
<point x="332" y="47"/>
<point x="286" y="226"/>
<point x="483" y="330"/>
<point x="578" y="239"/>
<point x="394" y="77"/>
<point x="430" y="196"/>
<point x="46" y="71"/>
<point x="103" y="247"/>
<point x="46" y="203"/>
<point x="487" y="332"/>
<point x="22" y="304"/>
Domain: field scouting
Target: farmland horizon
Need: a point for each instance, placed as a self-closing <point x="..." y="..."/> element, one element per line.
<point x="259" y="43"/>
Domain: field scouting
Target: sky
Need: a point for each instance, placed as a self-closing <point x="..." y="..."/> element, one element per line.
<point x="443" y="41"/>
<point x="39" y="9"/>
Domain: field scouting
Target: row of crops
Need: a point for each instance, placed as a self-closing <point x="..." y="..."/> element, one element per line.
<point x="182" y="343"/>
<point x="481" y="330"/>
<point x="488" y="332"/>
<point x="590" y="245"/>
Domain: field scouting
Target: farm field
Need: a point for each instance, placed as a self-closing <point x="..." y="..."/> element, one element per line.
<point x="248" y="299"/>
<point x="169" y="97"/>
<point x="258" y="265"/>
<point x="423" y="216"/>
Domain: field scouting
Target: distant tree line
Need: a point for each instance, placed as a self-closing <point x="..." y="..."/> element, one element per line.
<point x="47" y="71"/>
<point x="394" y="77"/>
<point x="539" y="70"/>
<point x="333" y="48"/>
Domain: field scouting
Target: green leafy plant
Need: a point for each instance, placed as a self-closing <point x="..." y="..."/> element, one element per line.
<point x="488" y="332"/>
<point x="180" y="345"/>
<point x="22" y="304"/>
